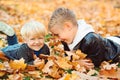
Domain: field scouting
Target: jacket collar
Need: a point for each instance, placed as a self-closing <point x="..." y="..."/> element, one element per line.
<point x="83" y="30"/>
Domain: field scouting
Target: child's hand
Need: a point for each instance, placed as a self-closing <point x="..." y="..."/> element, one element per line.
<point x="86" y="63"/>
<point x="39" y="63"/>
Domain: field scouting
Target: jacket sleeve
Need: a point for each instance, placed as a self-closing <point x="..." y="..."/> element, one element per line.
<point x="11" y="51"/>
<point x="93" y="45"/>
<point x="16" y="52"/>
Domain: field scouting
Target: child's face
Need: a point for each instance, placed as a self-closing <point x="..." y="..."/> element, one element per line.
<point x="65" y="33"/>
<point x="35" y="42"/>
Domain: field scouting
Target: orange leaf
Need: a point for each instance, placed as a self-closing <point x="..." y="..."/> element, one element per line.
<point x="18" y="64"/>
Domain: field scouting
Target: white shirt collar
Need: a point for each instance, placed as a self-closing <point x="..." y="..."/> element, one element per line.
<point x="83" y="30"/>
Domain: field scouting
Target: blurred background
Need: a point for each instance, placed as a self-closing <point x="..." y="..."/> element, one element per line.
<point x="103" y="15"/>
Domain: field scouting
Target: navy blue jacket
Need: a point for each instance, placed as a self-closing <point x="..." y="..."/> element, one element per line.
<point x="19" y="51"/>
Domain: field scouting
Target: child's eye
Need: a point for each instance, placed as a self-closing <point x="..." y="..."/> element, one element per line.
<point x="56" y="35"/>
<point x="32" y="39"/>
<point x="40" y="38"/>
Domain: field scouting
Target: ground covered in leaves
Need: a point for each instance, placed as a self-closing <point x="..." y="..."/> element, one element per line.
<point x="57" y="66"/>
<point x="104" y="15"/>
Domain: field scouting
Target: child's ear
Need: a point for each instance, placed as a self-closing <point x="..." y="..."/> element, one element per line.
<point x="68" y="25"/>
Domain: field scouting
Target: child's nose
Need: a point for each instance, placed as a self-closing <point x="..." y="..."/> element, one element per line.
<point x="37" y="41"/>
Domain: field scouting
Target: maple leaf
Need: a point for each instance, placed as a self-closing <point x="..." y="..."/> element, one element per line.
<point x="18" y="64"/>
<point x="63" y="63"/>
<point x="80" y="54"/>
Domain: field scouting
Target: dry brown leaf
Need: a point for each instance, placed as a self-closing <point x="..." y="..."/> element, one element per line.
<point x="109" y="70"/>
<point x="30" y="68"/>
<point x="18" y="76"/>
<point x="55" y="72"/>
<point x="77" y="66"/>
<point x="63" y="63"/>
<point x="2" y="70"/>
<point x="112" y="73"/>
<point x="80" y="54"/>
<point x="35" y="74"/>
<point x="67" y="77"/>
<point x="39" y="63"/>
<point x="46" y="68"/>
<point x="72" y="56"/>
<point x="2" y="73"/>
<point x="18" y="64"/>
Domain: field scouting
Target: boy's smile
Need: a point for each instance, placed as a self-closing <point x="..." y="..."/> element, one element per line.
<point x="35" y="42"/>
<point x="63" y="33"/>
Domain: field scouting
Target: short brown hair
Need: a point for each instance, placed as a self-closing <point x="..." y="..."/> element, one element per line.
<point x="61" y="15"/>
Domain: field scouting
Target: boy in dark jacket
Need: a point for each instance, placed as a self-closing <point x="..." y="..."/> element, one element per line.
<point x="33" y="34"/>
<point x="80" y="35"/>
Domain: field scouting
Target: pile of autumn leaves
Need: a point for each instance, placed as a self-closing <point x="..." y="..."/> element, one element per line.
<point x="57" y="66"/>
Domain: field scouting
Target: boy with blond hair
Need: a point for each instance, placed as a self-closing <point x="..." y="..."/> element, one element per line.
<point x="33" y="34"/>
<point x="80" y="35"/>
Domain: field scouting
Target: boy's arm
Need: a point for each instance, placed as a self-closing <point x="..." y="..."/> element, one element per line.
<point x="93" y="45"/>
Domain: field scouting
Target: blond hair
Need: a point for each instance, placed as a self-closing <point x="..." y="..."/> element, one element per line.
<point x="62" y="15"/>
<point x="33" y="28"/>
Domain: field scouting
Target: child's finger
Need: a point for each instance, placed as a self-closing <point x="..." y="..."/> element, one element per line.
<point x="86" y="60"/>
<point x="89" y="65"/>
